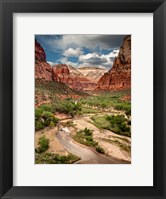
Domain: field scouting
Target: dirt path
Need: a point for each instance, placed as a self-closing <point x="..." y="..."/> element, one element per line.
<point x="86" y="154"/>
<point x="113" y="144"/>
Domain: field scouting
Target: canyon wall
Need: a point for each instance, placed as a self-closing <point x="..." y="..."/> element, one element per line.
<point x="119" y="76"/>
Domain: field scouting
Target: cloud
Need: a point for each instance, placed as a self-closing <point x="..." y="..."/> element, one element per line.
<point x="64" y="60"/>
<point x="92" y="58"/>
<point x="99" y="60"/>
<point x="63" y="42"/>
<point x="81" y="50"/>
<point x="71" y="52"/>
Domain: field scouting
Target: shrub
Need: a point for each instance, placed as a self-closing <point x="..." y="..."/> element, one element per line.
<point x="125" y="107"/>
<point x="100" y="149"/>
<point x="116" y="123"/>
<point x="44" y="119"/>
<point x="43" y="144"/>
<point x="45" y="107"/>
<point x="86" y="137"/>
<point x="87" y="132"/>
<point x="51" y="158"/>
<point x="66" y="106"/>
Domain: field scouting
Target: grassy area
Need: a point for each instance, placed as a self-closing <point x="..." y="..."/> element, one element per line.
<point x="86" y="137"/>
<point x="49" y="93"/>
<point x="123" y="146"/>
<point x="116" y="123"/>
<point x="51" y="158"/>
<point x="107" y="100"/>
<point x="88" y="110"/>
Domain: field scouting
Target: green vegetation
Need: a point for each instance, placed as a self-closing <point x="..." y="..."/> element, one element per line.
<point x="67" y="106"/>
<point x="44" y="118"/>
<point x="44" y="157"/>
<point x="49" y="90"/>
<point x="88" y="110"/>
<point x="124" y="107"/>
<point x="43" y="144"/>
<point x="116" y="123"/>
<point x="69" y="124"/>
<point x="51" y="158"/>
<point x="99" y="149"/>
<point x="107" y="100"/>
<point x="86" y="137"/>
<point x="123" y="146"/>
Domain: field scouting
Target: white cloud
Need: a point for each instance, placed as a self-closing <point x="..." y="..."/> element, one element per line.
<point x="71" y="52"/>
<point x="64" y="60"/>
<point x="88" y="41"/>
<point x="93" y="59"/>
<point x="99" y="60"/>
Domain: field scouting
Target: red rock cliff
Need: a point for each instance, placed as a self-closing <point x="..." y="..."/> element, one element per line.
<point x="119" y="76"/>
<point x="72" y="77"/>
<point x="42" y="69"/>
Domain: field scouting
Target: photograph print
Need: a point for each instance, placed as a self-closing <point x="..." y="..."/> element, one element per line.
<point x="82" y="99"/>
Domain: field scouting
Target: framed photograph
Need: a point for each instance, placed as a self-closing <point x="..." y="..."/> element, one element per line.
<point x="83" y="99"/>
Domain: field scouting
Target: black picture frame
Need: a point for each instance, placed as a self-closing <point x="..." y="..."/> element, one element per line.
<point x="7" y="8"/>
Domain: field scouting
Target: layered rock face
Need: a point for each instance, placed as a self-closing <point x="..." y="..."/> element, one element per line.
<point x="87" y="78"/>
<point x="59" y="73"/>
<point x="42" y="69"/>
<point x="92" y="73"/>
<point x="119" y="76"/>
<point x="72" y="77"/>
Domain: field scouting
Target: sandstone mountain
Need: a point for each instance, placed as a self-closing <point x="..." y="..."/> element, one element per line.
<point x="42" y="69"/>
<point x="92" y="73"/>
<point x="119" y="76"/>
<point x="60" y="73"/>
<point x="72" y="77"/>
<point x="87" y="78"/>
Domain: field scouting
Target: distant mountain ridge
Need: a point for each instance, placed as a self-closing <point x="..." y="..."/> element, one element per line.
<point x="92" y="73"/>
<point x="72" y="77"/>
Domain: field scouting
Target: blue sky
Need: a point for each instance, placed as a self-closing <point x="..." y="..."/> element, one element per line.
<point x="81" y="50"/>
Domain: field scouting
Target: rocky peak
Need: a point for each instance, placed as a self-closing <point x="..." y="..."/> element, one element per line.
<point x="39" y="52"/>
<point x="70" y="76"/>
<point x="42" y="69"/>
<point x="92" y="73"/>
<point x="119" y="76"/>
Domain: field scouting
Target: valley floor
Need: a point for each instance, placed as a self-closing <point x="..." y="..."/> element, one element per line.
<point x="117" y="148"/>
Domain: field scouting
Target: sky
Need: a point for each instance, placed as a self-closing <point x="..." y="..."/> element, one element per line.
<point x="81" y="50"/>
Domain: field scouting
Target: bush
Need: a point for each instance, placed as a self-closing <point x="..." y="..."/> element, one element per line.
<point x="45" y="107"/>
<point x="44" y="119"/>
<point x="86" y="137"/>
<point x="87" y="132"/>
<point x="51" y="158"/>
<point x="116" y="123"/>
<point x="100" y="149"/>
<point x="66" y="106"/>
<point x="108" y="100"/>
<point x="43" y="144"/>
<point x="125" y="107"/>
